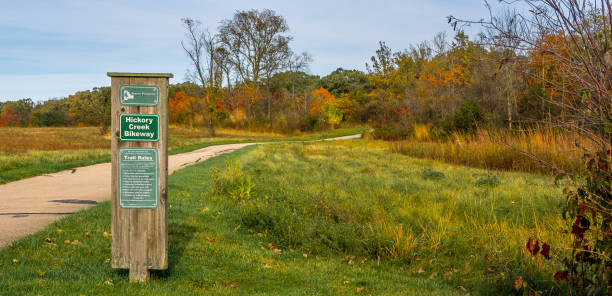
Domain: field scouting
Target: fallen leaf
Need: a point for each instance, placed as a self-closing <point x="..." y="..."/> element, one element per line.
<point x="350" y="262"/>
<point x="15" y="260"/>
<point x="212" y="240"/>
<point x="518" y="283"/>
<point x="305" y="255"/>
<point x="236" y="228"/>
<point x="75" y="242"/>
<point x="546" y="251"/>
<point x="106" y="234"/>
<point x="359" y="289"/>
<point x="433" y="275"/>
<point x="107" y="260"/>
<point x="346" y="282"/>
<point x="108" y="282"/>
<point x="420" y="270"/>
<point x="50" y="245"/>
<point x="561" y="275"/>
<point x="87" y="234"/>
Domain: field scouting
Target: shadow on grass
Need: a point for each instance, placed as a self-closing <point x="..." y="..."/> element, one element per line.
<point x="179" y="235"/>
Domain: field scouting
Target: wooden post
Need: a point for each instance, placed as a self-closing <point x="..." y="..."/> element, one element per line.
<point x="139" y="149"/>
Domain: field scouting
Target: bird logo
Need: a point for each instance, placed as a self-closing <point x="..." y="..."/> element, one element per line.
<point x="127" y="95"/>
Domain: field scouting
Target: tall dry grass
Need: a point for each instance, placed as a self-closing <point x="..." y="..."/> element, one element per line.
<point x="545" y="149"/>
<point x="19" y="139"/>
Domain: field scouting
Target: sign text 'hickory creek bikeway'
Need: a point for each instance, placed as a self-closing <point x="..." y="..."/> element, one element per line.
<point x="139" y="127"/>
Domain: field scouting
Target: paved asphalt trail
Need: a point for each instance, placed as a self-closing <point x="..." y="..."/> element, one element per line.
<point x="28" y="205"/>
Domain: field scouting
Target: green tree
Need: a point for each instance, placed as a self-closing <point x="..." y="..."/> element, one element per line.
<point x="343" y="81"/>
<point x="92" y="107"/>
<point x="51" y="113"/>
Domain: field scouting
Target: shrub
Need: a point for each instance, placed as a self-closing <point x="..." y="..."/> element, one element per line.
<point x="466" y="118"/>
<point x="232" y="181"/>
<point x="490" y="181"/>
<point x="432" y="175"/>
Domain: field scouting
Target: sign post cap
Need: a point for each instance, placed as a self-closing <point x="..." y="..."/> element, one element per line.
<point x="146" y="75"/>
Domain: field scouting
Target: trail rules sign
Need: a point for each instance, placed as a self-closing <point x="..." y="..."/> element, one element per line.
<point x="138" y="178"/>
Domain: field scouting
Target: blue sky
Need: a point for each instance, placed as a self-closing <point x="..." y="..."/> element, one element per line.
<point x="51" y="49"/>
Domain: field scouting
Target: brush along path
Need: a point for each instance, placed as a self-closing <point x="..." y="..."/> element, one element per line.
<point x="28" y="205"/>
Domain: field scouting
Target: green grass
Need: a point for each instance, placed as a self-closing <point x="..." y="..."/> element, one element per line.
<point x="315" y="218"/>
<point x="18" y="165"/>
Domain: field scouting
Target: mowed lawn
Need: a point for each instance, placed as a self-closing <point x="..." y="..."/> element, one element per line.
<point x="325" y="218"/>
<point x="27" y="152"/>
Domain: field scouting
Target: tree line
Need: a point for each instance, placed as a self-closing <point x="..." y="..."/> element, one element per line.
<point x="83" y="108"/>
<point x="245" y="75"/>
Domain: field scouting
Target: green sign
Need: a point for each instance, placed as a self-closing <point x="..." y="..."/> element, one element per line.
<point x="139" y="95"/>
<point x="138" y="178"/>
<point x="139" y="127"/>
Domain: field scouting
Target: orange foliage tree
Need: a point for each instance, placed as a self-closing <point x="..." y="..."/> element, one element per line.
<point x="326" y="104"/>
<point x="9" y="116"/>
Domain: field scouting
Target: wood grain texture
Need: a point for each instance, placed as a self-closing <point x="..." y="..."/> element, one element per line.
<point x="140" y="236"/>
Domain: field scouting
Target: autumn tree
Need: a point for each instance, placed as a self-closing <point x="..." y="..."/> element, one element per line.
<point x="17" y="113"/>
<point x="257" y="45"/>
<point x="201" y="48"/>
<point x="9" y="116"/>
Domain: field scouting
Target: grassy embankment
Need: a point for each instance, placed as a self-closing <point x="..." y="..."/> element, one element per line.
<point x="27" y="152"/>
<point x="315" y="218"/>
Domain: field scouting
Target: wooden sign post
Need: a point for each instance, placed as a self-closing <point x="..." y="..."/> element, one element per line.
<point x="139" y="172"/>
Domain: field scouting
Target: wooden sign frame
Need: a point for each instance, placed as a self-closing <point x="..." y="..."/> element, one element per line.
<point x="140" y="235"/>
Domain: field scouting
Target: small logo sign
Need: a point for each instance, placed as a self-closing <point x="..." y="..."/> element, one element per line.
<point x="139" y="95"/>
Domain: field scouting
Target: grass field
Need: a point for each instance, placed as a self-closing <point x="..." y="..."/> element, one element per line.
<point x="500" y="150"/>
<point x="315" y="219"/>
<point x="27" y="152"/>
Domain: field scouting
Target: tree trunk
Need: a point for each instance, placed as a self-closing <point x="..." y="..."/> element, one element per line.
<point x="211" y="127"/>
<point x="269" y="107"/>
<point x="509" y="97"/>
<point x="246" y="108"/>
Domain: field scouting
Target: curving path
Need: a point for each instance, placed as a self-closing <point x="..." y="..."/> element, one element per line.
<point x="28" y="205"/>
